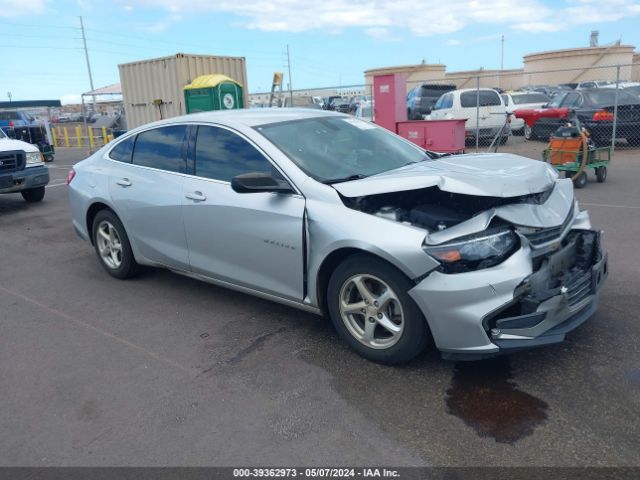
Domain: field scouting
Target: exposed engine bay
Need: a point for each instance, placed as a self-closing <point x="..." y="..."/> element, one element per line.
<point x="433" y="209"/>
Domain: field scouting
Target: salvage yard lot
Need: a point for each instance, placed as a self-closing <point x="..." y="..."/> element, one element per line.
<point x="165" y="370"/>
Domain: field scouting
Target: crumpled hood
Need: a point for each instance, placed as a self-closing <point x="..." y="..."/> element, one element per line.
<point x="487" y="175"/>
<point x="8" y="144"/>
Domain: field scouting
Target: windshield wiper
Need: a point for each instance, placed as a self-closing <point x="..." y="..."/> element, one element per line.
<point x="357" y="176"/>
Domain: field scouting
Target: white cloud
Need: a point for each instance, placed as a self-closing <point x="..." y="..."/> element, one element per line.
<point x="422" y="18"/>
<point x="17" y="8"/>
<point x="68" y="98"/>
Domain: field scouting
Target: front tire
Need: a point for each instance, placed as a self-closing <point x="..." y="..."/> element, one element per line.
<point x="371" y="310"/>
<point x="528" y="133"/>
<point x="33" y="194"/>
<point x="112" y="245"/>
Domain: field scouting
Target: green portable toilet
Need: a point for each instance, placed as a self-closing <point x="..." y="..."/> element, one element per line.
<point x="213" y="92"/>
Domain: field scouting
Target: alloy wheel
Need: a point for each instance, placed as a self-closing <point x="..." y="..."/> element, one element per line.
<point x="371" y="311"/>
<point x="109" y="244"/>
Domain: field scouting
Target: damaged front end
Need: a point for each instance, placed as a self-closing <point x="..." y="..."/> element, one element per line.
<point x="558" y="296"/>
<point x="514" y="272"/>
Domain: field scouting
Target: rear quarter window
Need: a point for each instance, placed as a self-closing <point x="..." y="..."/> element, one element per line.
<point x="123" y="150"/>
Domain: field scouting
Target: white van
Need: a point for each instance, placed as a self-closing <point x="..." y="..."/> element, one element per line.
<point x="461" y="104"/>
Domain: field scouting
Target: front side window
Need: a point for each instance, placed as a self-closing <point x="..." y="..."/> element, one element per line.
<point x="488" y="98"/>
<point x="161" y="148"/>
<point x="331" y="149"/>
<point x="123" y="150"/>
<point x="222" y="154"/>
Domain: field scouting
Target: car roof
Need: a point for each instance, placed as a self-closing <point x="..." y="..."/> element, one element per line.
<point x="249" y="117"/>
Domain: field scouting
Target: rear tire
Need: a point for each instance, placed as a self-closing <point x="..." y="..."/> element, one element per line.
<point x="33" y="194"/>
<point x="601" y="174"/>
<point x="371" y="310"/>
<point x="112" y="245"/>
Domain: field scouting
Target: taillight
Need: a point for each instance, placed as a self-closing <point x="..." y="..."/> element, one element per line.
<point x="70" y="175"/>
<point x="603" y="116"/>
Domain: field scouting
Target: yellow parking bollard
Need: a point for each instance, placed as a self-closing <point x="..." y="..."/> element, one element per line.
<point x="91" y="140"/>
<point x="104" y="135"/>
<point x="66" y="137"/>
<point x="109" y="138"/>
<point x="54" y="137"/>
<point x="79" y="136"/>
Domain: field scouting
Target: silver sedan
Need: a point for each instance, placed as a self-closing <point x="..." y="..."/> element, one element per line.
<point x="404" y="249"/>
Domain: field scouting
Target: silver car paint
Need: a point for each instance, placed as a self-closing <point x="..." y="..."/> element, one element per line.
<point x="453" y="304"/>
<point x="488" y="174"/>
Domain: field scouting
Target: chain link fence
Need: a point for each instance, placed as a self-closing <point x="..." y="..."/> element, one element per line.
<point x="605" y="100"/>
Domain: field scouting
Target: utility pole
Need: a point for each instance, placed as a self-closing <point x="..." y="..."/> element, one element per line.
<point x="290" y="82"/>
<point x="502" y="53"/>
<point x="10" y="96"/>
<point x="86" y="56"/>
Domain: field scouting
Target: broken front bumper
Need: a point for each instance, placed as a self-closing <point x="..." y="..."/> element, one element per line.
<point x="526" y="301"/>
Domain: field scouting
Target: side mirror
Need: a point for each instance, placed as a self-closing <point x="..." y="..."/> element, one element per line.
<point x="255" y="182"/>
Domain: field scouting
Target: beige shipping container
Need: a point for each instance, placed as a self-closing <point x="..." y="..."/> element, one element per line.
<point x="153" y="89"/>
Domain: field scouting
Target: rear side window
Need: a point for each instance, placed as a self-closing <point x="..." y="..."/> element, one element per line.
<point x="488" y="98"/>
<point x="122" y="151"/>
<point x="161" y="148"/>
<point x="572" y="100"/>
<point x="222" y="154"/>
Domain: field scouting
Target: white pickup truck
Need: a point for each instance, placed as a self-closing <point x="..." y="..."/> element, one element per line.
<point x="22" y="169"/>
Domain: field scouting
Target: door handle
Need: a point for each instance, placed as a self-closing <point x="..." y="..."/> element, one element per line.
<point x="196" y="196"/>
<point x="123" y="182"/>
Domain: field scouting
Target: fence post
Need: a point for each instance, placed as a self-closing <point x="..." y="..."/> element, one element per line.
<point x="66" y="137"/>
<point x="104" y="135"/>
<point x="477" y="113"/>
<point x="79" y="136"/>
<point x="90" y="133"/>
<point x="615" y="110"/>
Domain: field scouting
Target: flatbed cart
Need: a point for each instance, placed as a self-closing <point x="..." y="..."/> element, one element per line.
<point x="570" y="161"/>
<point x="570" y="148"/>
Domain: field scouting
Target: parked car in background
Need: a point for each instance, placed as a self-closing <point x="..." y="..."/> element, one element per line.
<point x="421" y="99"/>
<point x="22" y="169"/>
<point x="515" y="100"/>
<point x="365" y="111"/>
<point x="461" y="104"/>
<point x="595" y="109"/>
<point x="342" y="105"/>
<point x="403" y="249"/>
<point x="327" y="102"/>
<point x="593" y="84"/>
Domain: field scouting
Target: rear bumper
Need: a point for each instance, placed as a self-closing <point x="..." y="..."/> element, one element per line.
<point x="25" y="179"/>
<point x="511" y="307"/>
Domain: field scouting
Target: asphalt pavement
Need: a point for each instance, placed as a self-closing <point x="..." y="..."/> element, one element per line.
<point x="164" y="370"/>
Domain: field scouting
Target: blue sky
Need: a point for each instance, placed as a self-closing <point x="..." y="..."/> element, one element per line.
<point x="331" y="41"/>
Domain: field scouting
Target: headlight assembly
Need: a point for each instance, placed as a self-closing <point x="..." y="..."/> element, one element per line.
<point x="476" y="252"/>
<point x="34" y="158"/>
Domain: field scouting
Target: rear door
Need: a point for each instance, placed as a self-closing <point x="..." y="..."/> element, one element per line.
<point x="249" y="239"/>
<point x="145" y="184"/>
<point x="492" y="112"/>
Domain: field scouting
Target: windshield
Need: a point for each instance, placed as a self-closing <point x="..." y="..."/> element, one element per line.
<point x="332" y="149"/>
<point x="556" y="99"/>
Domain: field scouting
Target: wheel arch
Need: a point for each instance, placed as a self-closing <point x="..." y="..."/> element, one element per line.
<point x="92" y="211"/>
<point x="329" y="264"/>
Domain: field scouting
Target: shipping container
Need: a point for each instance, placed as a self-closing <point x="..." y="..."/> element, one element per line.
<point x="153" y="89"/>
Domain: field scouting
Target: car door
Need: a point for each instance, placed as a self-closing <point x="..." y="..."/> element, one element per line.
<point x="249" y="239"/>
<point x="146" y="189"/>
